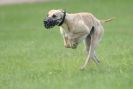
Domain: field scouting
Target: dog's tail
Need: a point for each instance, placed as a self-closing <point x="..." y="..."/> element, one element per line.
<point x="107" y="20"/>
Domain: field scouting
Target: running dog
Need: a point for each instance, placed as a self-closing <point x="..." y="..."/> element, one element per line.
<point x="78" y="27"/>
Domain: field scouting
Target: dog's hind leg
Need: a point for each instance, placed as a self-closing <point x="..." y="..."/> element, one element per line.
<point x="87" y="59"/>
<point x="87" y="42"/>
<point x="96" y="60"/>
<point x="89" y="48"/>
<point x="96" y="37"/>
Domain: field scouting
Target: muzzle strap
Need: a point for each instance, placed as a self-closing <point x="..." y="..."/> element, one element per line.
<point x="63" y="19"/>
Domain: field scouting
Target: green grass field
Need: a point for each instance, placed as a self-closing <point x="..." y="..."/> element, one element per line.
<point x="32" y="57"/>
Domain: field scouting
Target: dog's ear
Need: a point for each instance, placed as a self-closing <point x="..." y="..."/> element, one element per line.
<point x="62" y="10"/>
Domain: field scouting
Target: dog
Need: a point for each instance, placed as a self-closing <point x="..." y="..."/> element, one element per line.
<point x="78" y="27"/>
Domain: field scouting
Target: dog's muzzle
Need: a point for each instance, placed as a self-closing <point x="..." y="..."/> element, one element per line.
<point x="50" y="22"/>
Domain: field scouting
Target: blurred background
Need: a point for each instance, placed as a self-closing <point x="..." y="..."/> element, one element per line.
<point x="3" y="2"/>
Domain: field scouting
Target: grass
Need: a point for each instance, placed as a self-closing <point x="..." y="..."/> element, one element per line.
<point x="32" y="57"/>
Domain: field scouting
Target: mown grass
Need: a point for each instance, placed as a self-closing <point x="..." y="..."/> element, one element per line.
<point x="32" y="57"/>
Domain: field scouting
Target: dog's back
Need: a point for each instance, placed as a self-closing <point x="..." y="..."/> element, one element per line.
<point x="87" y="18"/>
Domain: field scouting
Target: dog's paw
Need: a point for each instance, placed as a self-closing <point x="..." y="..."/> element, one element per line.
<point x="82" y="68"/>
<point x="67" y="46"/>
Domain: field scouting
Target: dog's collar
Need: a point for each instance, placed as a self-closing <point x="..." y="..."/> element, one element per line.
<point x="63" y="19"/>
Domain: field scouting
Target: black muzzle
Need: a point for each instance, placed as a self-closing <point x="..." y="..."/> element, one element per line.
<point x="49" y="22"/>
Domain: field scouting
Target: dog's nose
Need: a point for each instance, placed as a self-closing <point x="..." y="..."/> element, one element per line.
<point x="47" y="21"/>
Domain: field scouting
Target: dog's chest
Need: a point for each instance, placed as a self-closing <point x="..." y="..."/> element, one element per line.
<point x="75" y="33"/>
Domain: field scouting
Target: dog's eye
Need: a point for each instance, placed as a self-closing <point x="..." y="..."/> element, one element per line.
<point x="54" y="16"/>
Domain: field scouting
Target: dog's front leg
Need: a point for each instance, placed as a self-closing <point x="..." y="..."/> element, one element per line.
<point x="66" y="42"/>
<point x="65" y="38"/>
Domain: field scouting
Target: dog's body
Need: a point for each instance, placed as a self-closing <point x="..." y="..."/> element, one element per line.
<point x="81" y="27"/>
<point x="77" y="27"/>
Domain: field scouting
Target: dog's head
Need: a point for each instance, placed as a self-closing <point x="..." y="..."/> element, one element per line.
<point x="55" y="17"/>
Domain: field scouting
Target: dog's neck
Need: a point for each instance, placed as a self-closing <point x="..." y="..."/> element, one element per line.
<point x="67" y="21"/>
<point x="63" y="19"/>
